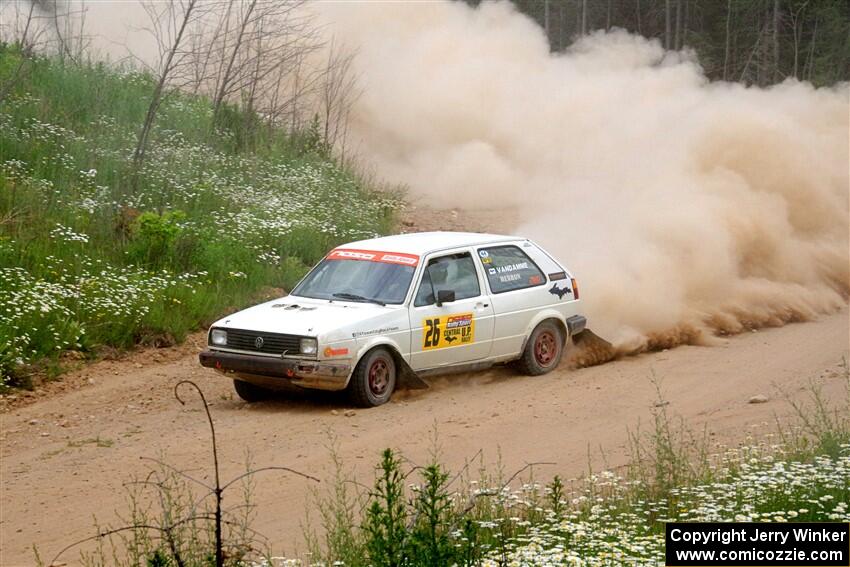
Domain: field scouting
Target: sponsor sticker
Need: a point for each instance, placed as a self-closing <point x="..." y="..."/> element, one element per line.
<point x="351" y="255"/>
<point x="373" y="332"/>
<point x="329" y="352"/>
<point x="405" y="259"/>
<point x="373" y="256"/>
<point x="535" y="280"/>
<point x="448" y="331"/>
<point x="483" y="253"/>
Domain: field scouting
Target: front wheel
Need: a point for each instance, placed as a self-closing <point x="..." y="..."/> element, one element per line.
<point x="544" y="349"/>
<point x="374" y="379"/>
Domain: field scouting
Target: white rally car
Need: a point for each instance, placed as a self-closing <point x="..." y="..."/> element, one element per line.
<point x="376" y="312"/>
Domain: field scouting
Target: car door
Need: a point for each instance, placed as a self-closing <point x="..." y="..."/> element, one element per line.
<point x="453" y="332"/>
<point x="518" y="291"/>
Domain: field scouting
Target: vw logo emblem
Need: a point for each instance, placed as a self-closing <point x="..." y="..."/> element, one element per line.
<point x="258" y="342"/>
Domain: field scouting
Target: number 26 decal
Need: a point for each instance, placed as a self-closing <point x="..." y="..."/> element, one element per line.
<point x="457" y="329"/>
<point x="432" y="333"/>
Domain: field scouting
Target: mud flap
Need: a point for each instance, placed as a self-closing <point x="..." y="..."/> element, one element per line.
<point x="408" y="379"/>
<point x="588" y="338"/>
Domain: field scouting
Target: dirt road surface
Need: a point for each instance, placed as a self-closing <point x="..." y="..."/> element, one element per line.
<point x="67" y="453"/>
<point x="65" y="457"/>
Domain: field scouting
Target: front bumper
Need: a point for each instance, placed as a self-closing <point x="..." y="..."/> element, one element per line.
<point x="300" y="372"/>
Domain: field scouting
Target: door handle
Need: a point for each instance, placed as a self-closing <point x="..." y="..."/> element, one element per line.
<point x="481" y="305"/>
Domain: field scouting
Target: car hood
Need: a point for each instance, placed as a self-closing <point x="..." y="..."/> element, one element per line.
<point x="304" y="316"/>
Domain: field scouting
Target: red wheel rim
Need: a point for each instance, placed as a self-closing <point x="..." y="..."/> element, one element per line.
<point x="545" y="348"/>
<point x="379" y="377"/>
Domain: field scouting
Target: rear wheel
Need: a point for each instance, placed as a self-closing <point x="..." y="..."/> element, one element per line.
<point x="544" y="349"/>
<point x="374" y="379"/>
<point x="250" y="392"/>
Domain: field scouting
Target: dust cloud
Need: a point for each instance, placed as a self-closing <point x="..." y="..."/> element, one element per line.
<point x="687" y="209"/>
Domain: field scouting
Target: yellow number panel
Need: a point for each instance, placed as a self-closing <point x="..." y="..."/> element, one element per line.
<point x="447" y="331"/>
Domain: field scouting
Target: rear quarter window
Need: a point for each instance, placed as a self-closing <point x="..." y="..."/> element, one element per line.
<point x="508" y="268"/>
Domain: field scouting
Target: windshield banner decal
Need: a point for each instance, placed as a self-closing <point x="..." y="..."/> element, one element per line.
<point x="373" y="256"/>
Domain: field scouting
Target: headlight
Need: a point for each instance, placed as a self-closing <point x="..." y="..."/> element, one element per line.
<point x="309" y="346"/>
<point x="218" y="337"/>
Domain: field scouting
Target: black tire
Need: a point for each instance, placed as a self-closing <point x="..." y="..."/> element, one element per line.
<point x="250" y="392"/>
<point x="544" y="349"/>
<point x="374" y="379"/>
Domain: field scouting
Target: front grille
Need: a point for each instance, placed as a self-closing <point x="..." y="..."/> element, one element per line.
<point x="273" y="343"/>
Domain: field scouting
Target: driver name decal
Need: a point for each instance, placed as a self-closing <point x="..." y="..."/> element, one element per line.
<point x="448" y="331"/>
<point x="373" y="256"/>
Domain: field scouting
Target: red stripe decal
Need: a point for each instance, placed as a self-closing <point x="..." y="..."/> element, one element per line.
<point x="374" y="256"/>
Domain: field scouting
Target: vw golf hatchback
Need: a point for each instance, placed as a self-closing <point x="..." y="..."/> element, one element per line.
<point x="376" y="312"/>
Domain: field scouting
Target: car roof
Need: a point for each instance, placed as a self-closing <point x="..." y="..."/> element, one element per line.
<point x="421" y="243"/>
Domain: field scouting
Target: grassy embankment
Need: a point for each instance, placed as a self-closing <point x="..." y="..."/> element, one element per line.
<point x="88" y="258"/>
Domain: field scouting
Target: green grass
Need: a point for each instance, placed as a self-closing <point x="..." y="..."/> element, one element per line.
<point x="88" y="258"/>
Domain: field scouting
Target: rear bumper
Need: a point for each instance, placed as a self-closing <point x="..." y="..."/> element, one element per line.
<point x="299" y="372"/>
<point x="576" y="324"/>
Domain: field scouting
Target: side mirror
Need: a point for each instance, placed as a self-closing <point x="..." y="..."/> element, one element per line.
<point x="445" y="296"/>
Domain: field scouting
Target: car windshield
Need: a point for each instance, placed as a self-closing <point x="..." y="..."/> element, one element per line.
<point x="357" y="280"/>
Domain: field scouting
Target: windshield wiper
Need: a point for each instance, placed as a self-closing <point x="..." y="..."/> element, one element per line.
<point x="355" y="297"/>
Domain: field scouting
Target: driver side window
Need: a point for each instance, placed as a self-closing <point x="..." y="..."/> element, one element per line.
<point x="455" y="272"/>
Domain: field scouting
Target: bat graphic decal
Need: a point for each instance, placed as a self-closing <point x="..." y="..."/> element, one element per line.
<point x="555" y="290"/>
